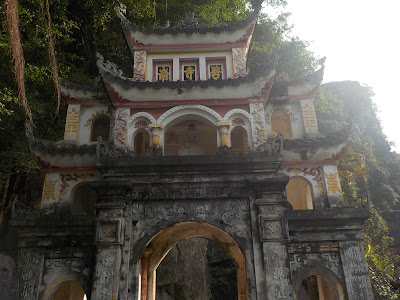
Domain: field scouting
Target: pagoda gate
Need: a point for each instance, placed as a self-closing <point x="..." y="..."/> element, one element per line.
<point x="192" y="146"/>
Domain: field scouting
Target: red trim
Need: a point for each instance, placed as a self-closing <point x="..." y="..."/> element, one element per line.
<point x="266" y="90"/>
<point x="310" y="162"/>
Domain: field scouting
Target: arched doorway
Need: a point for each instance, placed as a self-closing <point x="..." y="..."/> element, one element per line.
<point x="69" y="290"/>
<point x="163" y="242"/>
<point x="141" y="141"/>
<point x="299" y="193"/>
<point x="239" y="140"/>
<point x="316" y="287"/>
<point x="84" y="201"/>
<point x="190" y="135"/>
<point x="280" y="123"/>
<point x="101" y="128"/>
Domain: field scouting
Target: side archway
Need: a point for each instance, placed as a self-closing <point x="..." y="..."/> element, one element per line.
<point x="100" y="128"/>
<point x="84" y="199"/>
<point x="163" y="242"/>
<point x="299" y="193"/>
<point x="69" y="286"/>
<point x="317" y="282"/>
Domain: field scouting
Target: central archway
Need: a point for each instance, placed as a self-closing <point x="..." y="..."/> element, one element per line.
<point x="163" y="242"/>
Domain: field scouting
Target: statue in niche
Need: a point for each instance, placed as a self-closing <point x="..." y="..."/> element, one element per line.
<point x="191" y="145"/>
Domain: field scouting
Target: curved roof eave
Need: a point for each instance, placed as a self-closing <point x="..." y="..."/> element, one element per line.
<point x="255" y="84"/>
<point x="306" y="87"/>
<point x="142" y="38"/>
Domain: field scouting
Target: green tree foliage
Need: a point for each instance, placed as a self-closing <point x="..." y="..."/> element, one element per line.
<point x="369" y="171"/>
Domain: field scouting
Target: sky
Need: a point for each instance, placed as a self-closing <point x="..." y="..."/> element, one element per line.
<point x="361" y="40"/>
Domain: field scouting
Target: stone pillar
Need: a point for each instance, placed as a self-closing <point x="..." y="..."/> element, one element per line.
<point x="355" y="270"/>
<point x="109" y="240"/>
<point x="139" y="65"/>
<point x="175" y="69"/>
<point x="332" y="185"/>
<point x="203" y="68"/>
<point x="121" y="127"/>
<point x="30" y="270"/>
<point x="156" y="130"/>
<point x="224" y="131"/>
<point x="144" y="265"/>
<point x="273" y="231"/>
<point x="72" y="123"/>
<point x="309" y="118"/>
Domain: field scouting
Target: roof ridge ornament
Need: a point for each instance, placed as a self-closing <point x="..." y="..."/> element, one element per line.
<point x="107" y="66"/>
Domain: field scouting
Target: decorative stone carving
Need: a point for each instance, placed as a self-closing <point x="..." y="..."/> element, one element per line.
<point x="121" y="127"/>
<point x="49" y="190"/>
<point x="109" y="150"/>
<point x="238" y="122"/>
<point x="333" y="183"/>
<point x="259" y="132"/>
<point x="109" y="232"/>
<point x="107" y="66"/>
<point x="239" y="61"/>
<point x="31" y="267"/>
<point x="65" y="178"/>
<point x="139" y="67"/>
<point x="356" y="271"/>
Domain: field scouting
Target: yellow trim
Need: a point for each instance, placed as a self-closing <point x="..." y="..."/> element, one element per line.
<point x="156" y="125"/>
<point x="146" y="69"/>
<point x="179" y="53"/>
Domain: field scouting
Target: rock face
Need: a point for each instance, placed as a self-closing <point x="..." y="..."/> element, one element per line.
<point x="196" y="269"/>
<point x="183" y="274"/>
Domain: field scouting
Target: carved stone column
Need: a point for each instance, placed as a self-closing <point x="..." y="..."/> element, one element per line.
<point x="258" y="129"/>
<point x="121" y="127"/>
<point x="109" y="240"/>
<point x="156" y="130"/>
<point x="224" y="130"/>
<point x="139" y="65"/>
<point x="30" y="269"/>
<point x="355" y="270"/>
<point x="72" y="123"/>
<point x="273" y="231"/>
